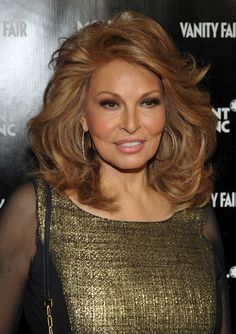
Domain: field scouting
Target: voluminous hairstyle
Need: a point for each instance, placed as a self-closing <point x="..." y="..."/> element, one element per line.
<point x="55" y="135"/>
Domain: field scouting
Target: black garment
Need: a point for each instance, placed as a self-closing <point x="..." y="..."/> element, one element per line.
<point x="34" y="296"/>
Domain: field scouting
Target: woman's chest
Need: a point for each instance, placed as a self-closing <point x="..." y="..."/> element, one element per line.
<point x="134" y="278"/>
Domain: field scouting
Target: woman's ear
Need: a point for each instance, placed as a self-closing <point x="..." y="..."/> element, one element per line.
<point x="84" y="123"/>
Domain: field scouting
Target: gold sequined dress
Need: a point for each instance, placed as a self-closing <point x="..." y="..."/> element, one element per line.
<point x="128" y="277"/>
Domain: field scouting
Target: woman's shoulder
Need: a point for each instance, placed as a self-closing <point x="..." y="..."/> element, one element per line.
<point x="192" y="216"/>
<point x="21" y="202"/>
<point x="18" y="222"/>
<point x="211" y="229"/>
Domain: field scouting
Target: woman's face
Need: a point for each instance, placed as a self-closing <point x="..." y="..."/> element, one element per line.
<point x="124" y="114"/>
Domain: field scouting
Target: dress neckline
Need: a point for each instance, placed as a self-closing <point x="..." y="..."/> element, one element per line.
<point x="74" y="206"/>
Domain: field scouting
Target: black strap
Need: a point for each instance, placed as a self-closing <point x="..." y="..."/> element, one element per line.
<point x="48" y="303"/>
<point x="47" y="294"/>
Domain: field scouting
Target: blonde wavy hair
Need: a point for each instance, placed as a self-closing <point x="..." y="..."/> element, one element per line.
<point x="55" y="134"/>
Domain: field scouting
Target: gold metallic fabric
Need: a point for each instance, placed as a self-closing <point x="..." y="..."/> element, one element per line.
<point x="129" y="277"/>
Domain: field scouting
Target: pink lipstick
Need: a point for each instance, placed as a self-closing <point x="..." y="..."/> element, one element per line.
<point x="130" y="145"/>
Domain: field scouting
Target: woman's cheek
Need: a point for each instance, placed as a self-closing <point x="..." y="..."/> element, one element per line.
<point x="155" y="126"/>
<point x="102" y="127"/>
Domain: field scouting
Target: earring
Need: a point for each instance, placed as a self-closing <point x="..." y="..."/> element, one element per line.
<point x="82" y="145"/>
<point x="174" y="145"/>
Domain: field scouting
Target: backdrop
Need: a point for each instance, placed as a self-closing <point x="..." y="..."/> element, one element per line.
<point x="29" y="32"/>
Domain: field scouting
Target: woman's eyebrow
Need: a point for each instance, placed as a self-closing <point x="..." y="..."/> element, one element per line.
<point x="117" y="95"/>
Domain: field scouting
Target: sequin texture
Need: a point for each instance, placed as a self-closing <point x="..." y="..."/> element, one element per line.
<point x="132" y="277"/>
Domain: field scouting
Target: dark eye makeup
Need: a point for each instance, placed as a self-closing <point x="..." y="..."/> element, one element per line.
<point x="148" y="102"/>
<point x="108" y="103"/>
<point x="151" y="102"/>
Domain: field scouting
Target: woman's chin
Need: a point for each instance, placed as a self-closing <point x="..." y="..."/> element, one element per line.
<point x="127" y="167"/>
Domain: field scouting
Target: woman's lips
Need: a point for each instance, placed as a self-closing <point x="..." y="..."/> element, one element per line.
<point x="130" y="145"/>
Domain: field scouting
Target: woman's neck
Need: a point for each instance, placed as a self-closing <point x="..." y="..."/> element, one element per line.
<point x="128" y="182"/>
<point x="135" y="198"/>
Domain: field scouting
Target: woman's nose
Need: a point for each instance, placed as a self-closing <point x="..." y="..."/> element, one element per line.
<point x="130" y="121"/>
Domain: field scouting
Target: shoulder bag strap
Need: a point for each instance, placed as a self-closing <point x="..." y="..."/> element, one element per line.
<point x="48" y="302"/>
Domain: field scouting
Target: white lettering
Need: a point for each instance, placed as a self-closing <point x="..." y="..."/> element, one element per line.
<point x="223" y="127"/>
<point x="10" y="131"/>
<point x="200" y="29"/>
<point x="2" y="202"/>
<point x="225" y="112"/>
<point x="184" y="26"/>
<point x="7" y="130"/>
<point x="217" y="112"/>
<point x="223" y="123"/>
<point x="222" y="199"/>
<point x="214" y="199"/>
<point x="228" y="201"/>
<point x="196" y="30"/>
<point x="215" y="28"/>
<point x="208" y="29"/>
<point x="228" y="30"/>
<point x="15" y="29"/>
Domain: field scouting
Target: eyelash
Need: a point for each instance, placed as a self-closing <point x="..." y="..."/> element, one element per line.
<point x="154" y="101"/>
<point x="105" y="103"/>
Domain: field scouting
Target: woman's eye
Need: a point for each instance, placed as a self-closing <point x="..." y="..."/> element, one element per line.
<point x="151" y="102"/>
<point x="109" y="104"/>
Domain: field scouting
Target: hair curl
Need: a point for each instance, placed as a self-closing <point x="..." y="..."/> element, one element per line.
<point x="185" y="179"/>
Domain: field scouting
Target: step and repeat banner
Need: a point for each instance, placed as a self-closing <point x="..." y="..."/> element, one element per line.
<point x="29" y="32"/>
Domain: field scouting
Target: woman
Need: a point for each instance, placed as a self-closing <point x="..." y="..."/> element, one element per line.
<point x="124" y="141"/>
